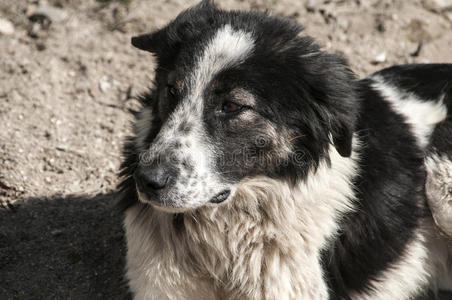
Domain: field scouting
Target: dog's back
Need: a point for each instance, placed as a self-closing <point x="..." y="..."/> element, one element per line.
<point x="423" y="94"/>
<point x="406" y="128"/>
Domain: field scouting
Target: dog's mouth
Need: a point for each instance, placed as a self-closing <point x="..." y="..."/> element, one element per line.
<point x="221" y="197"/>
<point x="170" y="206"/>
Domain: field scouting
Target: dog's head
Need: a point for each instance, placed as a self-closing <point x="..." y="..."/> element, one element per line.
<point x="237" y="95"/>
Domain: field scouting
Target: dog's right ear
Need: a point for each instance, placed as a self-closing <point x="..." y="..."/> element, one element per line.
<point x="151" y="42"/>
<point x="184" y="27"/>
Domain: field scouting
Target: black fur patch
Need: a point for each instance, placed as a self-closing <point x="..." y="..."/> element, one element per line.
<point x="309" y="95"/>
<point x="391" y="202"/>
<point x="429" y="82"/>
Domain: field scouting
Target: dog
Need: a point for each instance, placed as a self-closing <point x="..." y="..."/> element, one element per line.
<point x="260" y="167"/>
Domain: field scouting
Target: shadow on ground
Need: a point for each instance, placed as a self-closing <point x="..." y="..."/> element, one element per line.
<point x="62" y="248"/>
<point x="65" y="248"/>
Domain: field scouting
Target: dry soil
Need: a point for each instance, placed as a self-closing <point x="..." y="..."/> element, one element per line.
<point x="68" y="77"/>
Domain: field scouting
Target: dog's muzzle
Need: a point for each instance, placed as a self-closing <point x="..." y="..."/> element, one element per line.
<point x="151" y="180"/>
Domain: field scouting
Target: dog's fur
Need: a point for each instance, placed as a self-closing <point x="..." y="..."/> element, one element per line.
<point x="321" y="177"/>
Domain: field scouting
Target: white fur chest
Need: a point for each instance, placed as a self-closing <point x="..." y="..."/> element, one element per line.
<point x="263" y="244"/>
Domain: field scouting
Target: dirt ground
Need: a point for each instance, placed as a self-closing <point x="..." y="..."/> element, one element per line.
<point x="68" y="76"/>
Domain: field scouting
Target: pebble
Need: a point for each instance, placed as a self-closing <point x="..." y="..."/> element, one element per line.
<point x="344" y="24"/>
<point x="312" y="5"/>
<point x="438" y="5"/>
<point x="380" y="58"/>
<point x="52" y="13"/>
<point x="104" y="84"/>
<point x="34" y="30"/>
<point x="61" y="147"/>
<point x="6" y="27"/>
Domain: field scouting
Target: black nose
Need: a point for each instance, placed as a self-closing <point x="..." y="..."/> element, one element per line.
<point x="150" y="179"/>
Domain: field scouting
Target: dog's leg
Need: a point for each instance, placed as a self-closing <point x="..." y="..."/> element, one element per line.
<point x="439" y="196"/>
<point x="439" y="191"/>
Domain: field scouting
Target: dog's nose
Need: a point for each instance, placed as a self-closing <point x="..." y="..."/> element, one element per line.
<point x="153" y="178"/>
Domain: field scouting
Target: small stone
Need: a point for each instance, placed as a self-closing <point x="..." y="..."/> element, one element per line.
<point x="312" y="5"/>
<point x="34" y="30"/>
<point x="438" y="5"/>
<point x="104" y="84"/>
<point x="61" y="147"/>
<point x="344" y="24"/>
<point x="51" y="13"/>
<point x="380" y="58"/>
<point x="6" y="27"/>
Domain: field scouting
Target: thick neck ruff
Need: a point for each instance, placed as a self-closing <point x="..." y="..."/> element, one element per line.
<point x="269" y="230"/>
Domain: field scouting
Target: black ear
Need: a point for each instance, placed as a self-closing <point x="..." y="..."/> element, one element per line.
<point x="343" y="140"/>
<point x="176" y="32"/>
<point x="151" y="42"/>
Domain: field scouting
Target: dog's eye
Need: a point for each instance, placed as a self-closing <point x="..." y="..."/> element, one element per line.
<point x="172" y="91"/>
<point x="231" y="107"/>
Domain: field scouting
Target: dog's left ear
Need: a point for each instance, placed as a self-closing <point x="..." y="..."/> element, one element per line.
<point x="151" y="42"/>
<point x="341" y="92"/>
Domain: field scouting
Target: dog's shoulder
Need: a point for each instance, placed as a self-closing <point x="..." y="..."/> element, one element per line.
<point x="426" y="81"/>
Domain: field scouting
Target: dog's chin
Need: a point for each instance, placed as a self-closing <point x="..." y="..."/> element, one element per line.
<point x="170" y="207"/>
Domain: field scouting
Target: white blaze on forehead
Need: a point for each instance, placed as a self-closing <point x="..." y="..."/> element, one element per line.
<point x="225" y="49"/>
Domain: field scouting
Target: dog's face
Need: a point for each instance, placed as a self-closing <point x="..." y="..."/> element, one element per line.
<point x="237" y="95"/>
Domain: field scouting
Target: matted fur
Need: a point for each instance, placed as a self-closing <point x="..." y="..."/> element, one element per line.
<point x="263" y="244"/>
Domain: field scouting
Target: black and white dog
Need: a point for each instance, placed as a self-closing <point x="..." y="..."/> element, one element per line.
<point x="261" y="168"/>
